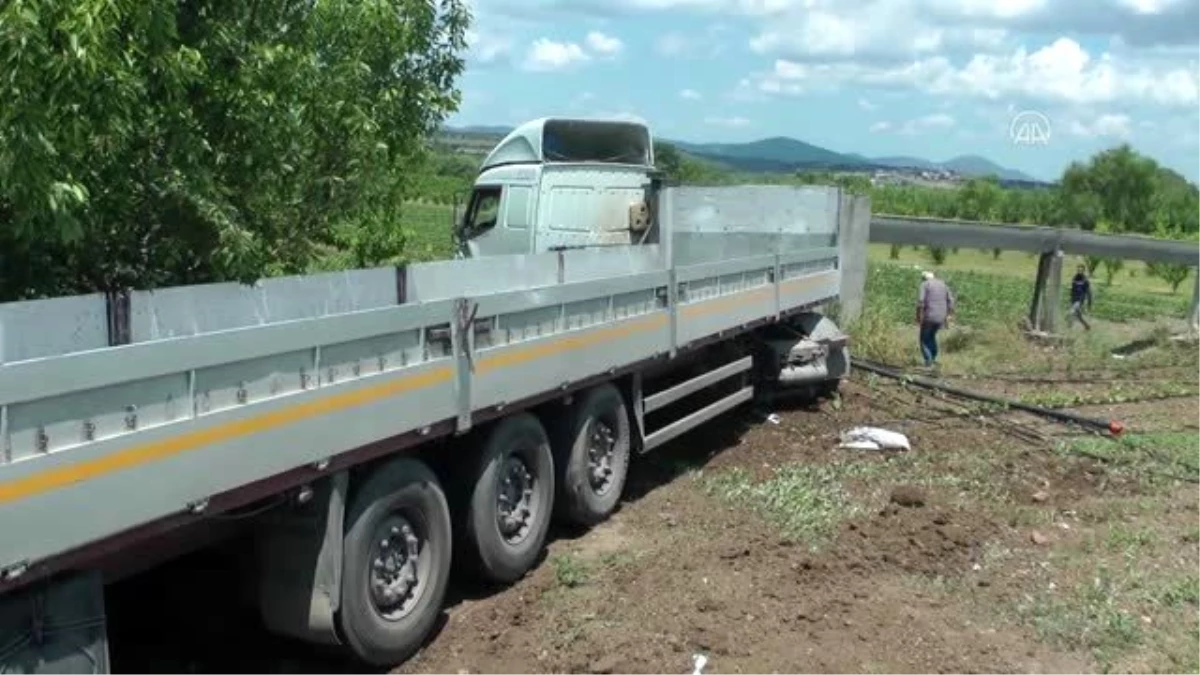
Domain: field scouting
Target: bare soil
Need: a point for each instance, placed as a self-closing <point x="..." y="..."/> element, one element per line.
<point x="978" y="551"/>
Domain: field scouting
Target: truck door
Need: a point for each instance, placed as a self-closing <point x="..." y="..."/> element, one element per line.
<point x="496" y="221"/>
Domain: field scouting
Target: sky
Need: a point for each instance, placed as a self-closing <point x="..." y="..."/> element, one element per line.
<point x="1029" y="84"/>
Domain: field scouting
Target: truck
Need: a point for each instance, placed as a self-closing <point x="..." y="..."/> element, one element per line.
<point x="377" y="425"/>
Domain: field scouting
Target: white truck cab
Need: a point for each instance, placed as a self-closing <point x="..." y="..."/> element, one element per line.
<point x="556" y="183"/>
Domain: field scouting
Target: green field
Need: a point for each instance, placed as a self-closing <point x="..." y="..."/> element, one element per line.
<point x="1133" y="275"/>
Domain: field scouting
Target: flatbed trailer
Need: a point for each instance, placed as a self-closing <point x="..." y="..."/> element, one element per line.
<point x="377" y="424"/>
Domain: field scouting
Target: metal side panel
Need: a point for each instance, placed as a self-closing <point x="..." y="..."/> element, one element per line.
<point x="611" y="263"/>
<point x="699" y="319"/>
<point x="755" y="208"/>
<point x="445" y="279"/>
<point x="44" y="378"/>
<point x="808" y="289"/>
<point x="135" y="478"/>
<point x="193" y="310"/>
<point x="39" y="328"/>
<point x="717" y="296"/>
<point x="509" y="373"/>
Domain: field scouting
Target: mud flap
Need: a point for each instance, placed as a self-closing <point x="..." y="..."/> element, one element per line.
<point x="56" y="627"/>
<point x="299" y="553"/>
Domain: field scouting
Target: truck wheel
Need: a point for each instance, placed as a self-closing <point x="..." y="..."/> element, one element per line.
<point x="512" y="494"/>
<point x="396" y="562"/>
<point x="592" y="446"/>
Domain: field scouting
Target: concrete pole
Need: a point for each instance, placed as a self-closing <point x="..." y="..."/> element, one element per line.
<point x="1194" y="311"/>
<point x="1039" y="287"/>
<point x="854" y="231"/>
<point x="1052" y="293"/>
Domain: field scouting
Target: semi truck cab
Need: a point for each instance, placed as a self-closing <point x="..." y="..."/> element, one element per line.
<point x="555" y="184"/>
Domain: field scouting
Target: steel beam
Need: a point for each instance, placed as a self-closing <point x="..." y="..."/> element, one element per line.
<point x="904" y="230"/>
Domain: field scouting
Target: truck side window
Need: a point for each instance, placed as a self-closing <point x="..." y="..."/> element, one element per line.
<point x="483" y="212"/>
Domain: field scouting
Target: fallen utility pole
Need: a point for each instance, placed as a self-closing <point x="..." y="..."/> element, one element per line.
<point x="1112" y="427"/>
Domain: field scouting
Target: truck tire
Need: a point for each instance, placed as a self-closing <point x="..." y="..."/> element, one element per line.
<point x="396" y="562"/>
<point x="510" y="501"/>
<point x="592" y="447"/>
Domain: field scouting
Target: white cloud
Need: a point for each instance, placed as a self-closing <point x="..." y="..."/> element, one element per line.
<point x="690" y="94"/>
<point x="727" y="121"/>
<point x="546" y="55"/>
<point x="921" y="125"/>
<point x="914" y="127"/>
<point x="604" y="45"/>
<point x="624" y="115"/>
<point x="672" y="44"/>
<point x="866" y="105"/>
<point x="1059" y="72"/>
<point x="485" y="48"/>
<point x="1104" y="126"/>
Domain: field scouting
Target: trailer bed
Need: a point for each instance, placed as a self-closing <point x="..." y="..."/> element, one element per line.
<point x="225" y="388"/>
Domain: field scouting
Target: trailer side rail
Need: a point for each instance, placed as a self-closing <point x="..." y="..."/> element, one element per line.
<point x="100" y="441"/>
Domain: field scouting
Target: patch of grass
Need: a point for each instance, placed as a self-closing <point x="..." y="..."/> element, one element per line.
<point x="986" y="296"/>
<point x="807" y="501"/>
<point x="1151" y="459"/>
<point x="1129" y="540"/>
<point x="1117" y="393"/>
<point x="1089" y="618"/>
<point x="569" y="571"/>
<point x="1180" y="592"/>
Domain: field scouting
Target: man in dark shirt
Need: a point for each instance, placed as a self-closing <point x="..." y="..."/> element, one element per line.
<point x="935" y="306"/>
<point x="1081" y="292"/>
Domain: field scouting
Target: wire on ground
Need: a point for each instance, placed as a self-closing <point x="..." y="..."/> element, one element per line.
<point x="1112" y="427"/>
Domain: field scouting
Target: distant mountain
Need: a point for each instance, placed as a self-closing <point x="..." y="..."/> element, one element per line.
<point x="778" y="150"/>
<point x="974" y="165"/>
<point x="789" y="154"/>
<point x="478" y="130"/>
<point x="781" y="153"/>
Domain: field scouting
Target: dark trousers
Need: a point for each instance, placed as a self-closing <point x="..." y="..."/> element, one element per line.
<point x="929" y="346"/>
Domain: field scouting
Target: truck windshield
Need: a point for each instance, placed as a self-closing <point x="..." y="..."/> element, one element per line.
<point x="482" y="212"/>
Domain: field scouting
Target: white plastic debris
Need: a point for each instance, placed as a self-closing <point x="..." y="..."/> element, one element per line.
<point x="874" y="438"/>
<point x="773" y="418"/>
<point x="699" y="661"/>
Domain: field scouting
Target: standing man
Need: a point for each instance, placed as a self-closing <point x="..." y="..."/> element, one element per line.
<point x="935" y="306"/>
<point x="1081" y="292"/>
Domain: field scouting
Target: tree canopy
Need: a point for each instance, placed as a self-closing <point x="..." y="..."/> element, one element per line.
<point x="151" y="142"/>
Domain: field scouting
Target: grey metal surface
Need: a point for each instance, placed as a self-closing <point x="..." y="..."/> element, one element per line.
<point x="37" y="328"/>
<point x="855" y="230"/>
<point x="299" y="564"/>
<point x="683" y="424"/>
<point x="950" y="233"/>
<point x="191" y="310"/>
<point x="270" y="379"/>
<point x="688" y="387"/>
<point x="445" y="279"/>
<point x="59" y="628"/>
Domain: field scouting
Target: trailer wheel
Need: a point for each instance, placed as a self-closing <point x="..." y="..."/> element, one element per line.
<point x="396" y="562"/>
<point x="592" y="446"/>
<point x="512" y="494"/>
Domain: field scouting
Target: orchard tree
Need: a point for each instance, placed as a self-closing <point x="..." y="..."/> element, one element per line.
<point x="1116" y="186"/>
<point x="155" y="142"/>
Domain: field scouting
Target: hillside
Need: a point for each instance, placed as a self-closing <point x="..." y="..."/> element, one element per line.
<point x="779" y="154"/>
